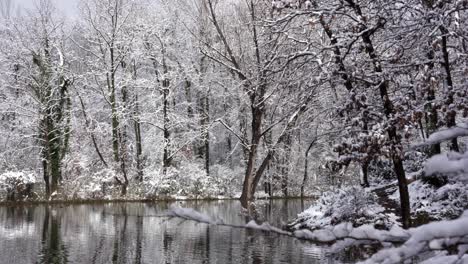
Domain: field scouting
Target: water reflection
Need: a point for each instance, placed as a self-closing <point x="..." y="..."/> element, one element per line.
<point x="53" y="250"/>
<point x="136" y="233"/>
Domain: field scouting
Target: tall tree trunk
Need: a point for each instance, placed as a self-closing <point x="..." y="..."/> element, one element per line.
<point x="431" y="115"/>
<point x="113" y="103"/>
<point x="188" y="97"/>
<point x="45" y="171"/>
<point x="165" y="83"/>
<point x="286" y="160"/>
<point x="365" y="172"/>
<point x="93" y="137"/>
<point x="137" y="128"/>
<point x="228" y="159"/>
<point x="166" y="133"/>
<point x="266" y="161"/>
<point x="205" y="131"/>
<point x="123" y="144"/>
<point x="389" y="111"/>
<point x="256" y="124"/>
<point x="53" y="132"/>
<point x="306" y="169"/>
<point x="451" y="113"/>
<point x="204" y="111"/>
<point x="138" y="140"/>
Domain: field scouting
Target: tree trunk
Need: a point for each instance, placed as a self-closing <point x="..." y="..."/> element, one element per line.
<point x="53" y="151"/>
<point x="123" y="144"/>
<point x="451" y="113"/>
<point x="286" y="160"/>
<point x="389" y="111"/>
<point x="206" y="136"/>
<point x="431" y="116"/>
<point x="113" y="103"/>
<point x="188" y="96"/>
<point x="365" y="172"/>
<point x="403" y="190"/>
<point x="137" y="129"/>
<point x="306" y="165"/>
<point x="46" y="176"/>
<point x="204" y="148"/>
<point x="138" y="141"/>
<point x="257" y="118"/>
<point x="166" y="155"/>
<point x="228" y="137"/>
<point x="93" y="137"/>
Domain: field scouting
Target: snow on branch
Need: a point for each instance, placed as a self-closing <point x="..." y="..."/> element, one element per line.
<point x="430" y="237"/>
<point x="326" y="235"/>
<point x="193" y="215"/>
<point x="443" y="135"/>
<point x="450" y="164"/>
<point x="433" y="237"/>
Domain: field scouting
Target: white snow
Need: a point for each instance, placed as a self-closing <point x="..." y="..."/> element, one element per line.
<point x="459" y="131"/>
<point x="425" y="239"/>
<point x="11" y="180"/>
<point x="191" y="214"/>
<point x="323" y="235"/>
<point x="265" y="227"/>
<point x="449" y="164"/>
<point x="447" y="259"/>
<point x="350" y="204"/>
<point x="448" y="200"/>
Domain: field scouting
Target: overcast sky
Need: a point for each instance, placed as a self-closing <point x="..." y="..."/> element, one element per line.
<point x="65" y="7"/>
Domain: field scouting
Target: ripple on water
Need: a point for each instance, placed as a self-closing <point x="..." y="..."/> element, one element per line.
<point x="136" y="233"/>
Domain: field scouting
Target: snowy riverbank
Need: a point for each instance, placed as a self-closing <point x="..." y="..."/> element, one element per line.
<point x="360" y="206"/>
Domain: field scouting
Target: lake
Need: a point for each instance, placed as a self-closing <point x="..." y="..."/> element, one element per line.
<point x="141" y="233"/>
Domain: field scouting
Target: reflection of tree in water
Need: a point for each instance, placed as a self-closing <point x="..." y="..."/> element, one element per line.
<point x="17" y="216"/>
<point x="134" y="233"/>
<point x="167" y="246"/>
<point x="120" y="241"/>
<point x="357" y="252"/>
<point x="139" y="228"/>
<point x="53" y="250"/>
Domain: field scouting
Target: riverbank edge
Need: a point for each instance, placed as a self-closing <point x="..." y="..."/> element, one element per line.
<point x="137" y="200"/>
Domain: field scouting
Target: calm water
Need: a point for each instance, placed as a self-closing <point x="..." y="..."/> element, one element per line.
<point x="136" y="233"/>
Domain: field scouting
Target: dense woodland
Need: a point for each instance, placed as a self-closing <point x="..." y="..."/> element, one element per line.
<point x="222" y="98"/>
<point x="361" y="104"/>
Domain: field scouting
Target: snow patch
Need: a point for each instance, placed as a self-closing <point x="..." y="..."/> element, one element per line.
<point x="351" y="204"/>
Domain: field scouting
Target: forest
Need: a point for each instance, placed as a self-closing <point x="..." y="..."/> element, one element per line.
<point x="360" y="106"/>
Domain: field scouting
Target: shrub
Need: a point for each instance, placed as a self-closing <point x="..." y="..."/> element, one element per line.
<point x="350" y="204"/>
<point x="17" y="185"/>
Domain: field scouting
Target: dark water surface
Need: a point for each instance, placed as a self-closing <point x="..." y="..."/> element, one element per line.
<point x="136" y="233"/>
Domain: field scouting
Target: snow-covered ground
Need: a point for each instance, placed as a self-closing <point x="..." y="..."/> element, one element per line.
<point x="445" y="202"/>
<point x="351" y="204"/>
<point x="439" y="191"/>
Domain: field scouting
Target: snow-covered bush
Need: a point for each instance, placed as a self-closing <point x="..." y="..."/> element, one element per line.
<point x="414" y="161"/>
<point x="452" y="165"/>
<point x="187" y="180"/>
<point x="190" y="180"/>
<point x="445" y="202"/>
<point x="228" y="179"/>
<point x="436" y="242"/>
<point x="17" y="184"/>
<point x="94" y="186"/>
<point x="381" y="171"/>
<point x="351" y="204"/>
